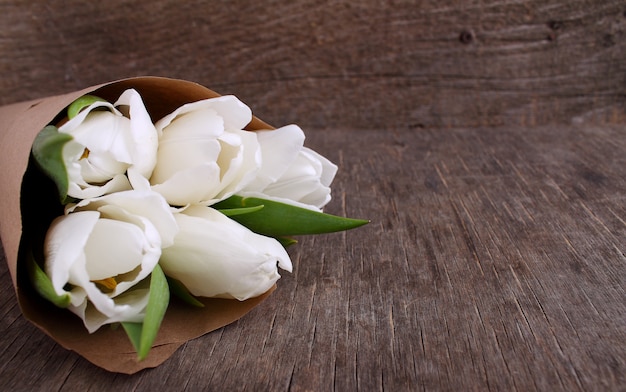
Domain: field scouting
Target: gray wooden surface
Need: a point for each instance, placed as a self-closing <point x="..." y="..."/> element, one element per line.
<point x="494" y="260"/>
<point x="485" y="140"/>
<point x="328" y="64"/>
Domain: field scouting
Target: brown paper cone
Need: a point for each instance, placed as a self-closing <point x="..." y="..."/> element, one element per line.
<point x="108" y="348"/>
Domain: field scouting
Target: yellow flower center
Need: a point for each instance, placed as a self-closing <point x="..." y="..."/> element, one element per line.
<point x="108" y="284"/>
<point x="85" y="154"/>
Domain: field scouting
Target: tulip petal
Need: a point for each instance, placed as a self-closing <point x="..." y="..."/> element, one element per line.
<point x="279" y="149"/>
<point x="70" y="126"/>
<point x="114" y="239"/>
<point x="193" y="185"/>
<point x="291" y="173"/>
<point x="118" y="183"/>
<point x="147" y="204"/>
<point x="62" y="254"/>
<point x="127" y="307"/>
<point x="100" y="167"/>
<point x="177" y="154"/>
<point x="112" y="249"/>
<point x="329" y="169"/>
<point x="115" y="141"/>
<point x="236" y="114"/>
<point x="305" y="182"/>
<point x="204" y="155"/>
<point x="213" y="256"/>
<point x="241" y="157"/>
<point x="106" y="144"/>
<point x="98" y="308"/>
<point x="305" y="190"/>
<point x="142" y="132"/>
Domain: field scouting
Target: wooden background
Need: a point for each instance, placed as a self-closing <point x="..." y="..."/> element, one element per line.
<point x="484" y="139"/>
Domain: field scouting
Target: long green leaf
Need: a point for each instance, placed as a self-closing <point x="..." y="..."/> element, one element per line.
<point x="142" y="335"/>
<point x="155" y="311"/>
<point x="287" y="241"/>
<point x="240" y="211"/>
<point x="282" y="220"/>
<point x="48" y="153"/>
<point x="42" y="284"/>
<point x="178" y="289"/>
<point x="133" y="330"/>
<point x="81" y="103"/>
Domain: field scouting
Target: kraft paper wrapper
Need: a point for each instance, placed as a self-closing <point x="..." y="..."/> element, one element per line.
<point x="107" y="348"/>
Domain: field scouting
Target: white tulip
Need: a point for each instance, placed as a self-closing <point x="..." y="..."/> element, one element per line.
<point x="107" y="144"/>
<point x="102" y="252"/>
<point x="204" y="154"/>
<point x="214" y="256"/>
<point x="291" y="173"/>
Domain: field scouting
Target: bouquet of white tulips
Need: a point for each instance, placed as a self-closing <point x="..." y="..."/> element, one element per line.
<point x="148" y="188"/>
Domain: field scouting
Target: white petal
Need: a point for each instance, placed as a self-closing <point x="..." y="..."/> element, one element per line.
<point x="279" y="149"/>
<point x="177" y="154"/>
<point x="74" y="123"/>
<point x="100" y="167"/>
<point x="329" y="169"/>
<point x="64" y="244"/>
<point x="106" y="132"/>
<point x="306" y="181"/>
<point x="203" y="123"/>
<point x="118" y="183"/>
<point x="319" y="197"/>
<point x="307" y="190"/>
<point x="113" y="240"/>
<point x="137" y="180"/>
<point x="239" y="161"/>
<point x="104" y="135"/>
<point x="149" y="247"/>
<point x="193" y="185"/>
<point x="72" y="152"/>
<point x="143" y="133"/>
<point x="235" y="114"/>
<point x="214" y="256"/>
<point x="148" y="204"/>
<point x="128" y="307"/>
<point x="113" y="248"/>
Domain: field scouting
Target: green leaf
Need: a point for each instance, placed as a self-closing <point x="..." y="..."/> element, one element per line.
<point x="282" y="220"/>
<point x="133" y="330"/>
<point x="42" y="283"/>
<point x="286" y="241"/>
<point x="240" y="211"/>
<point x="155" y="311"/>
<point x="48" y="153"/>
<point x="142" y="335"/>
<point x="178" y="289"/>
<point x="81" y="103"/>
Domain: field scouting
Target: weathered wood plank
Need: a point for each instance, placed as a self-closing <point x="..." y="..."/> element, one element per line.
<point x="338" y="64"/>
<point x="494" y="261"/>
<point x="495" y="257"/>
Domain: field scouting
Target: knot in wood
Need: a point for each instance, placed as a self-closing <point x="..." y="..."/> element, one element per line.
<point x="466" y="37"/>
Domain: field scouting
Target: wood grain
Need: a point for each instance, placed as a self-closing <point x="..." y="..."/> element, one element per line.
<point x="338" y="64"/>
<point x="484" y="139"/>
<point x="494" y="261"/>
